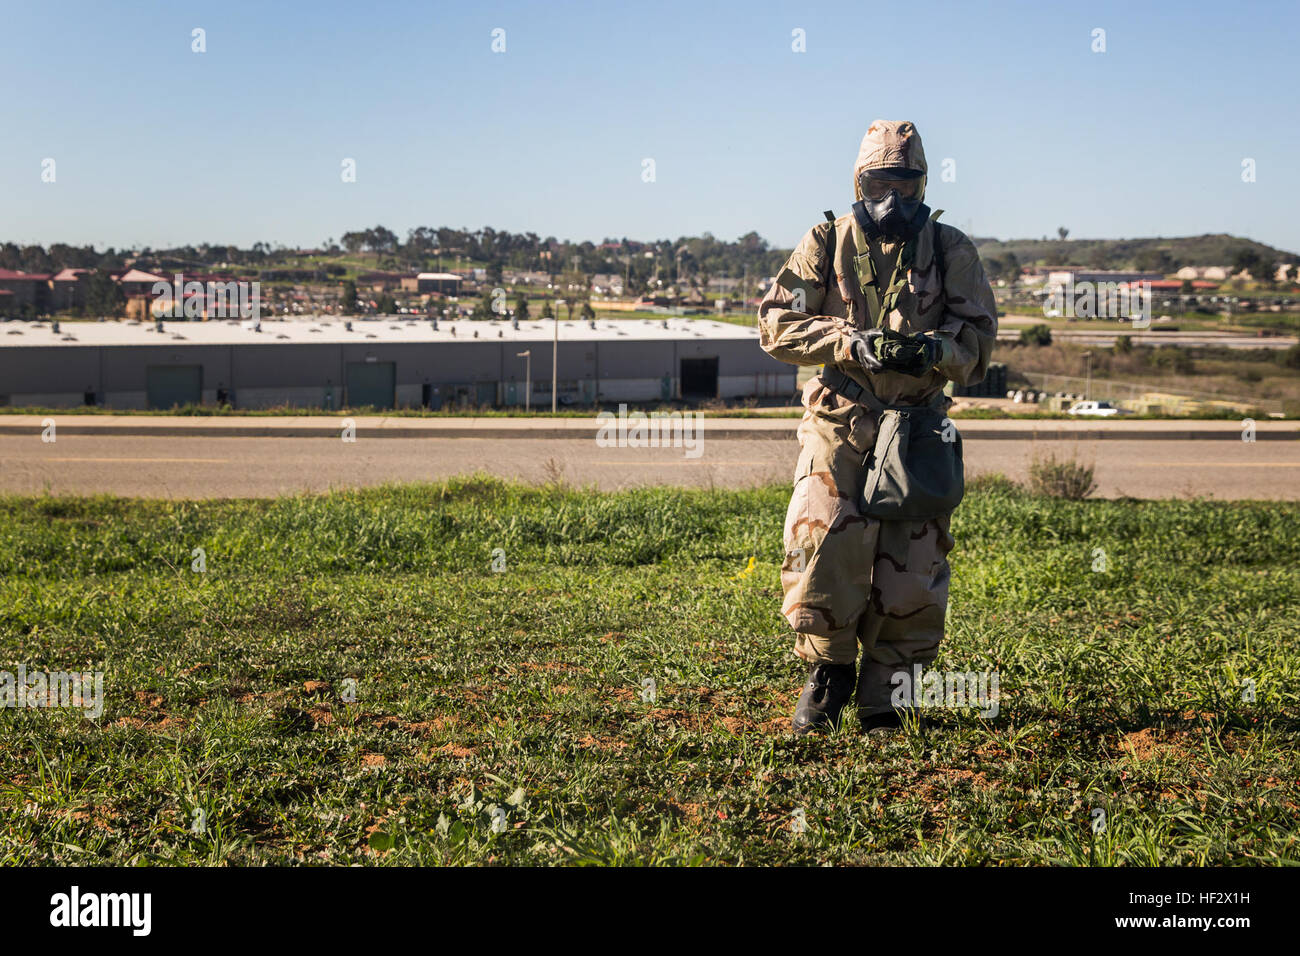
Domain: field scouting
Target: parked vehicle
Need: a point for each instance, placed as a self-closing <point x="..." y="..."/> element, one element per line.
<point x="1096" y="409"/>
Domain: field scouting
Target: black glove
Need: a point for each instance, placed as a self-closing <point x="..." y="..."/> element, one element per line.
<point x="864" y="350"/>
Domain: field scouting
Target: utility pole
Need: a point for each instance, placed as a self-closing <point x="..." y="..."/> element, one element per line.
<point x="555" y="364"/>
<point x="1087" y="391"/>
<point x="528" y="378"/>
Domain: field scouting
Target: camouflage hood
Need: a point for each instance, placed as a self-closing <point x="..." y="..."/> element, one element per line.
<point x="889" y="143"/>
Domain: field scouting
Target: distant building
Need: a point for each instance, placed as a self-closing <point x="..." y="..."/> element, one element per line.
<point x="1176" y="285"/>
<point x="442" y="283"/>
<point x="1210" y="273"/>
<point x="380" y="281"/>
<point x="29" y="292"/>
<point x="136" y="282"/>
<point x="384" y="364"/>
<point x="137" y="285"/>
<point x="68" y="289"/>
<point x="603" y="283"/>
<point x="1065" y="276"/>
<point x="528" y="278"/>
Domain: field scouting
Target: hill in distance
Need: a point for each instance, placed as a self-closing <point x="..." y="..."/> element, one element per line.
<point x="1158" y="255"/>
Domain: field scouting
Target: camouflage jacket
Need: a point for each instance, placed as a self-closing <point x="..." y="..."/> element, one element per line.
<point x="803" y="322"/>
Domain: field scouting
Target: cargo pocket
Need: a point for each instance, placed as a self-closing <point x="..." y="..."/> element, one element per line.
<point x="842" y="420"/>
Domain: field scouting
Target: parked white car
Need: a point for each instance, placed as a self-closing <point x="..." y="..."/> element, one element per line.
<point x="1097" y="409"/>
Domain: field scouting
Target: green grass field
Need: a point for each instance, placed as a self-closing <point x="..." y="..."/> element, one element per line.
<point x="499" y="716"/>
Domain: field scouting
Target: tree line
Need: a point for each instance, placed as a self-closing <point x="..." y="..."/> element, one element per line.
<point x="687" y="259"/>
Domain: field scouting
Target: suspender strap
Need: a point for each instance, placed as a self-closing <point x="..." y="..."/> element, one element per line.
<point x="866" y="272"/>
<point x="906" y="256"/>
<point x="936" y="243"/>
<point x="879" y="304"/>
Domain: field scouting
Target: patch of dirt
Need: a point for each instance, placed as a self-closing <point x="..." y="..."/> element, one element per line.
<point x="934" y="783"/>
<point x="455" y="750"/>
<point x="373" y="760"/>
<point x="742" y="725"/>
<point x="590" y="742"/>
<point x="96" y="816"/>
<point x="420" y="728"/>
<point x="475" y="694"/>
<point x="691" y="811"/>
<point x="246" y="696"/>
<point x="668" y="713"/>
<point x="771" y="714"/>
<point x="1146" y="744"/>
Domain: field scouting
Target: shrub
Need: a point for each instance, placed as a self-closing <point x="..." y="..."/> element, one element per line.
<point x="1061" y="477"/>
<point x="1040" y="334"/>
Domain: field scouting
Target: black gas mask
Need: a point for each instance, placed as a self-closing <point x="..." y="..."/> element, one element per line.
<point x="891" y="217"/>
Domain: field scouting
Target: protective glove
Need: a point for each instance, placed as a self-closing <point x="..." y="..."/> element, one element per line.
<point x="864" y="349"/>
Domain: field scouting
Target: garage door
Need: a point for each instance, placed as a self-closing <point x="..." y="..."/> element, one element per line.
<point x="699" y="378"/>
<point x="169" y="385"/>
<point x="372" y="383"/>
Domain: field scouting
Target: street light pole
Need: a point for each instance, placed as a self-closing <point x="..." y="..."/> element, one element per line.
<point x="528" y="378"/>
<point x="555" y="358"/>
<point x="1087" y="391"/>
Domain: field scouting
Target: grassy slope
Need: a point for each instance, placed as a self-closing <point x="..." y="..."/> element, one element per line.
<point x="1119" y="689"/>
<point x="1215" y="249"/>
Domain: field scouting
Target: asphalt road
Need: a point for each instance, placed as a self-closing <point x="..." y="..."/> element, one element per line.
<point x="1010" y="327"/>
<point x="172" y="466"/>
<point x="1186" y="339"/>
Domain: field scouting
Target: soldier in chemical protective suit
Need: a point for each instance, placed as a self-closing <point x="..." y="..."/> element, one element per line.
<point x="894" y="306"/>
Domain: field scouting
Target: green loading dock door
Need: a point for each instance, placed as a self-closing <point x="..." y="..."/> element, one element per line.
<point x="372" y="383"/>
<point x="170" y="385"/>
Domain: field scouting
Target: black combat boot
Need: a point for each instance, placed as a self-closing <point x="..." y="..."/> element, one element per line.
<point x="828" y="689"/>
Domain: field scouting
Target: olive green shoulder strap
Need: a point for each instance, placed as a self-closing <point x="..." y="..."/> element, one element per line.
<point x="862" y="265"/>
<point x="936" y="240"/>
<point x="830" y="247"/>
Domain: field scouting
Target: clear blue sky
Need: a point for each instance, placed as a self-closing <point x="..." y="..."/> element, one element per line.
<point x="157" y="145"/>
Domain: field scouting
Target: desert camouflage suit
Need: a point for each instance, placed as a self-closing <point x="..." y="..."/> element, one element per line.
<point x="848" y="578"/>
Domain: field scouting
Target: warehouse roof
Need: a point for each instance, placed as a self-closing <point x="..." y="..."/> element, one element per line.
<point x="390" y="329"/>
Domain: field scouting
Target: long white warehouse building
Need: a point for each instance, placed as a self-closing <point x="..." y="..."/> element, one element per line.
<point x="391" y="362"/>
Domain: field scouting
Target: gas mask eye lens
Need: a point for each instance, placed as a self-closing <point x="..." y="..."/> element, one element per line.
<point x="877" y="189"/>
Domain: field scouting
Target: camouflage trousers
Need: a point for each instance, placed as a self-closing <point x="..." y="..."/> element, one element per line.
<point x="850" y="579"/>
